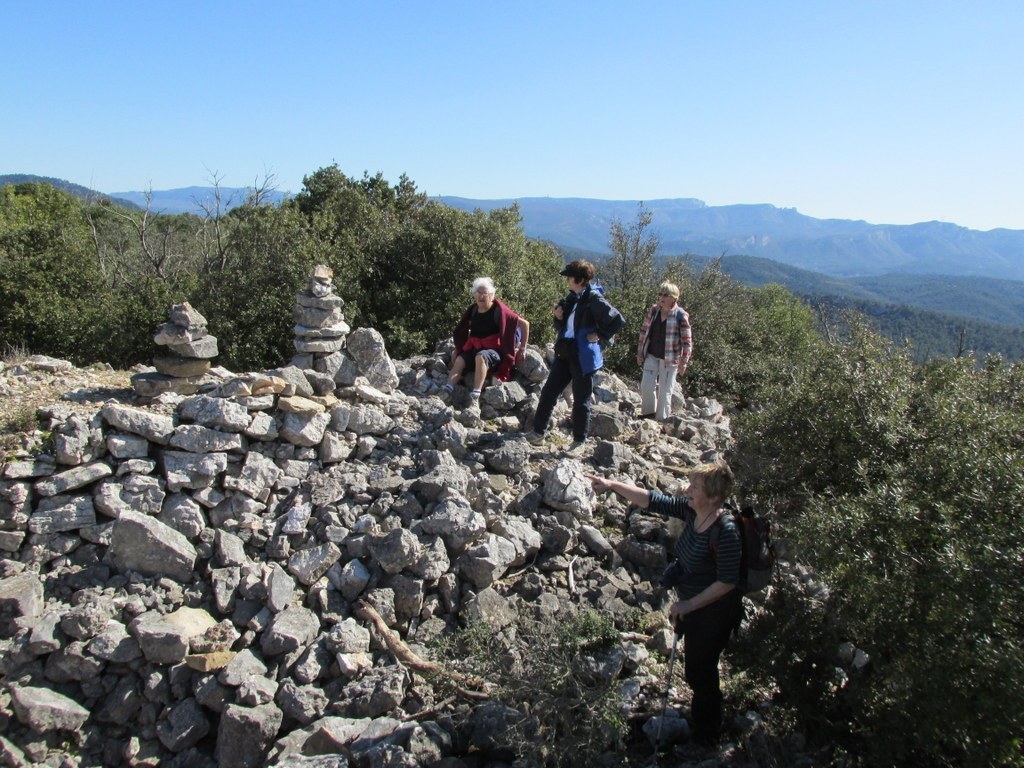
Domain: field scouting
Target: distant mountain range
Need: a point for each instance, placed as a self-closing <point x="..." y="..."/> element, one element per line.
<point x="193" y="199"/>
<point x="837" y="247"/>
<point x="982" y="298"/>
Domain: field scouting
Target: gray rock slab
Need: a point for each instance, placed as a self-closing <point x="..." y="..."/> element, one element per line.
<point x="202" y="348"/>
<point x="134" y="493"/>
<point x="297" y="383"/>
<point x="72" y="479"/>
<point x="487" y="560"/>
<point x="171" y="333"/>
<point x="44" y="710"/>
<point x="308" y="565"/>
<point x="305" y="429"/>
<point x="241" y="667"/>
<point x="127" y="446"/>
<point x="144" y="544"/>
<point x="153" y="384"/>
<point x="114" y="644"/>
<point x="214" y="412"/>
<point x="62" y="513"/>
<point x="245" y="735"/>
<point x="184" y="726"/>
<point x="192" y="470"/>
<point x="293" y="628"/>
<point x="396" y="550"/>
<point x="180" y="367"/>
<point x="456" y="522"/>
<point x="21" y="596"/>
<point x="366" y="347"/>
<point x="155" y="427"/>
<point x="196" y="438"/>
<point x="23" y="470"/>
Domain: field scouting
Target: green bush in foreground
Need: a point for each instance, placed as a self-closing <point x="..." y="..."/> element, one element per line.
<point x="547" y="671"/>
<point x="903" y="487"/>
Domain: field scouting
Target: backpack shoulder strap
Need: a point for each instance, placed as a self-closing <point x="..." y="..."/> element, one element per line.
<point x="716" y="529"/>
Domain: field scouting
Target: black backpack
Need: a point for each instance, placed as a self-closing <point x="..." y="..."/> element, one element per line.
<point x="757" y="563"/>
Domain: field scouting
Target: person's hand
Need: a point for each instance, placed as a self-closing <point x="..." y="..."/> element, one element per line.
<point x="682" y="368"/>
<point x="640" y="360"/>
<point x="520" y="355"/>
<point x="599" y="484"/>
<point x="593" y="338"/>
<point x="677" y="612"/>
<point x="557" y="311"/>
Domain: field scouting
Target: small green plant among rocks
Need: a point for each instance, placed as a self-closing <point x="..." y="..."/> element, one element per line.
<point x="549" y="672"/>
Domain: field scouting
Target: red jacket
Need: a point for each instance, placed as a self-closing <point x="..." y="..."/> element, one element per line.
<point x="505" y="343"/>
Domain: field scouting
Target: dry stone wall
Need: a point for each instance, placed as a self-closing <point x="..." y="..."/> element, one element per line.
<point x="190" y="579"/>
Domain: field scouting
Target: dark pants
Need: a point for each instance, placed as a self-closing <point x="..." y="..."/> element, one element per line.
<point x="562" y="372"/>
<point x="705" y="635"/>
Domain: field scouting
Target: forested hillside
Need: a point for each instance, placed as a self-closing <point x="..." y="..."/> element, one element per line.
<point x="90" y="195"/>
<point x="898" y="484"/>
<point x="978" y="298"/>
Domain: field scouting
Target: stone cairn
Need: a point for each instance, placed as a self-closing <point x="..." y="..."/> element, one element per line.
<point x="320" y="327"/>
<point x="185" y="355"/>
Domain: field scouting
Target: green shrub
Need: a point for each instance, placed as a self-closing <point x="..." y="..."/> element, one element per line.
<point x="903" y="487"/>
<point x="539" y="669"/>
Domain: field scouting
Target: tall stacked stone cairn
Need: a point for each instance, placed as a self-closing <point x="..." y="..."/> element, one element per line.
<point x="184" y="358"/>
<point x="226" y="580"/>
<point x="320" y="327"/>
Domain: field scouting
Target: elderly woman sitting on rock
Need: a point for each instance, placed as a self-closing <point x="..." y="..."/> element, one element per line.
<point x="490" y="338"/>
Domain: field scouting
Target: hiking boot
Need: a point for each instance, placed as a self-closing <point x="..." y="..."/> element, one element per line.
<point x="473" y="409"/>
<point x="535" y="438"/>
<point x="577" y="449"/>
<point x="446" y="393"/>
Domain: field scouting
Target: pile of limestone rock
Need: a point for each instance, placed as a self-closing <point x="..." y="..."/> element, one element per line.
<point x="320" y="327"/>
<point x="184" y="357"/>
<point x="246" y="575"/>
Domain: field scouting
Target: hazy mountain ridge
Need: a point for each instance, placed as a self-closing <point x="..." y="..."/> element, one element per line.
<point x="939" y="312"/>
<point x="194" y="199"/>
<point x="74" y="189"/>
<point x="839" y="247"/>
<point x="980" y="298"/>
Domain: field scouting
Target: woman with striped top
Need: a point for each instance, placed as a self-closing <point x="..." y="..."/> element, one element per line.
<point x="704" y="575"/>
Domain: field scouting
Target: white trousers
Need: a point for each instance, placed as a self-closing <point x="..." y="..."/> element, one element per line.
<point x="656" y="387"/>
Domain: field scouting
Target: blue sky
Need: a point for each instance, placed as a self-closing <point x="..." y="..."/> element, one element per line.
<point x="892" y="112"/>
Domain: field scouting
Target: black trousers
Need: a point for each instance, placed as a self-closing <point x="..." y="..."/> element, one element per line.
<point x="562" y="372"/>
<point x="705" y="635"/>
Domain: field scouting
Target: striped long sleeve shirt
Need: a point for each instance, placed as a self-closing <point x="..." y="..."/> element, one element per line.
<point x="700" y="567"/>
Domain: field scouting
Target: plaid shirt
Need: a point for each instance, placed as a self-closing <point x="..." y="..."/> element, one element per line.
<point x="678" y="339"/>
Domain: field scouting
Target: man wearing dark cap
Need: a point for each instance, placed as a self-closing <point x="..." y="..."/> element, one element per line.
<point x="585" y="322"/>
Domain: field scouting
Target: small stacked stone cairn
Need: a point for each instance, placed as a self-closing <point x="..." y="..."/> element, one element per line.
<point x="320" y="327"/>
<point x="184" y="360"/>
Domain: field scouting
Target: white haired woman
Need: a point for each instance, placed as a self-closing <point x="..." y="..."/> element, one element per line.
<point x="490" y="338"/>
<point x="664" y="348"/>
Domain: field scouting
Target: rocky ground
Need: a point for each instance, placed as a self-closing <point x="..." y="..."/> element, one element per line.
<point x="261" y="573"/>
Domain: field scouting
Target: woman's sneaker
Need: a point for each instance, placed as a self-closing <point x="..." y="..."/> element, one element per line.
<point x="535" y="438"/>
<point x="576" y="450"/>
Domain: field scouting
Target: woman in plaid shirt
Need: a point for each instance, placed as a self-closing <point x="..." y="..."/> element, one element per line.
<point x="664" y="348"/>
